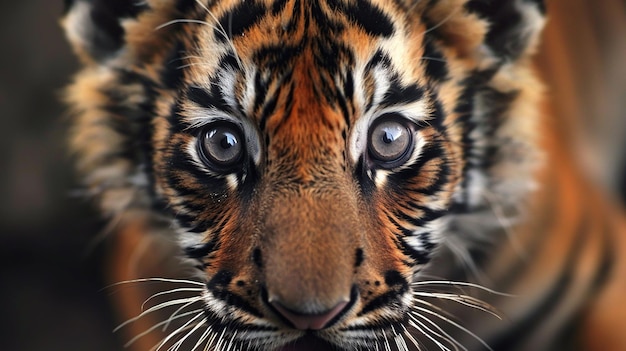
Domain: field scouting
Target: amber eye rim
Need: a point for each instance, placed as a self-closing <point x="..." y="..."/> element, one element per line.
<point x="221" y="146"/>
<point x="385" y="131"/>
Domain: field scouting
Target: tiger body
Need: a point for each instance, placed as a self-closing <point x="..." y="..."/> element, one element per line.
<point x="319" y="162"/>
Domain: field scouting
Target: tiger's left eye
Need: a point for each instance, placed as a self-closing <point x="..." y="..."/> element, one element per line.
<point x="390" y="142"/>
<point x="221" y="145"/>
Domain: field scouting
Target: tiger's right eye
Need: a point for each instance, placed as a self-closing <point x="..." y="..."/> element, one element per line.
<point x="221" y="146"/>
<point x="390" y="141"/>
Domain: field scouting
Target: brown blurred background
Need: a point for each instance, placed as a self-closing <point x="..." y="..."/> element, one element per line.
<point x="51" y="295"/>
<point x="51" y="257"/>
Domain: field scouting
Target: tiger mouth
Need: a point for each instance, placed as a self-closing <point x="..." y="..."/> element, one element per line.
<point x="309" y="342"/>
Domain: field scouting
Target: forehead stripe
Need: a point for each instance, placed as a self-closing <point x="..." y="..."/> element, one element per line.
<point x="398" y="94"/>
<point x="238" y="20"/>
<point x="434" y="62"/>
<point x="370" y="18"/>
<point x="365" y="15"/>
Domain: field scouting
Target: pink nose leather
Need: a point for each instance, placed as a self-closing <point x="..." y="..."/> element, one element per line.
<point x="309" y="321"/>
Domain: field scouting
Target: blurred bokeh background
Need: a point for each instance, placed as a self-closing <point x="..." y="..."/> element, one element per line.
<point x="51" y="290"/>
<point x="52" y="294"/>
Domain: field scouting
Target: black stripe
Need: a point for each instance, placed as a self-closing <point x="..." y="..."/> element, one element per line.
<point x="428" y="215"/>
<point x="171" y="74"/>
<point x="278" y="6"/>
<point x="397" y="284"/>
<point x="108" y="35"/>
<point x="382" y="301"/>
<point x="179" y="161"/>
<point x="287" y="113"/>
<point x="507" y="36"/>
<point x="185" y="6"/>
<point x="260" y="92"/>
<point x="219" y="325"/>
<point x="348" y="86"/>
<point x="328" y="25"/>
<point x="238" y="20"/>
<point x="202" y="250"/>
<point x="269" y="107"/>
<point x="438" y="115"/>
<point x="465" y="109"/>
<point x="185" y="221"/>
<point x="398" y="94"/>
<point x="608" y="254"/>
<point x="429" y="152"/>
<point x="277" y="59"/>
<point x="328" y="52"/>
<point x="367" y="16"/>
<point x="420" y="257"/>
<point x="434" y="62"/>
<point x="234" y="300"/>
<point x="202" y="98"/>
<point x="358" y="257"/>
<point x="366" y="184"/>
<point x="343" y="106"/>
<point x="378" y="59"/>
<point x="229" y="61"/>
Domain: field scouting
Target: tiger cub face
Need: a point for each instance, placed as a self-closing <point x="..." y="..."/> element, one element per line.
<point x="312" y="156"/>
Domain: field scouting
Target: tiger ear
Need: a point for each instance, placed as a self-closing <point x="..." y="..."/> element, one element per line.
<point x="508" y="29"/>
<point x="94" y="27"/>
<point x="514" y="25"/>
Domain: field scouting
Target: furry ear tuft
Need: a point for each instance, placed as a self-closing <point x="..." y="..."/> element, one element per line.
<point x="514" y="25"/>
<point x="94" y="27"/>
<point x="508" y="29"/>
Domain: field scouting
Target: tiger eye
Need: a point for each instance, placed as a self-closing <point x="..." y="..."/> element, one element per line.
<point x="390" y="142"/>
<point x="221" y="145"/>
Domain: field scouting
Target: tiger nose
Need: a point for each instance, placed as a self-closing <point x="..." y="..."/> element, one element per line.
<point x="309" y="321"/>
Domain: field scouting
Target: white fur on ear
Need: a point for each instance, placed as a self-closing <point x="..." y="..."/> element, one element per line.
<point x="514" y="26"/>
<point x="79" y="28"/>
<point x="94" y="27"/>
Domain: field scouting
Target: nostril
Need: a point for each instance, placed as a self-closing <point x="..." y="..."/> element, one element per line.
<point x="305" y="321"/>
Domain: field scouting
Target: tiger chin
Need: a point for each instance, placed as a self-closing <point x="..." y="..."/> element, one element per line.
<point x="313" y="159"/>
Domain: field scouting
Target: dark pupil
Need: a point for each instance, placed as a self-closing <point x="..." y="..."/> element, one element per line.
<point x="391" y="134"/>
<point x="228" y="141"/>
<point x="389" y="141"/>
<point x="222" y="145"/>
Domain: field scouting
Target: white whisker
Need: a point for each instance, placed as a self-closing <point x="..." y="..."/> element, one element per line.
<point x="166" y="280"/>
<point x="179" y="330"/>
<point x="156" y="326"/>
<point x="463" y="300"/>
<point x="156" y="308"/>
<point x="210" y="342"/>
<point x="453" y="323"/>
<point x="179" y="343"/>
<point x="426" y="58"/>
<point x="169" y="292"/>
<point x="411" y="338"/>
<point x="202" y="338"/>
<point x="230" y="344"/>
<point x="460" y="284"/>
<point x="400" y="343"/>
<point x="428" y="335"/>
<point x="184" y="20"/>
<point x="223" y="32"/>
<point x="220" y="340"/>
<point x="386" y="344"/>
<point x="442" y="22"/>
<point x="439" y="332"/>
<point x="173" y="315"/>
